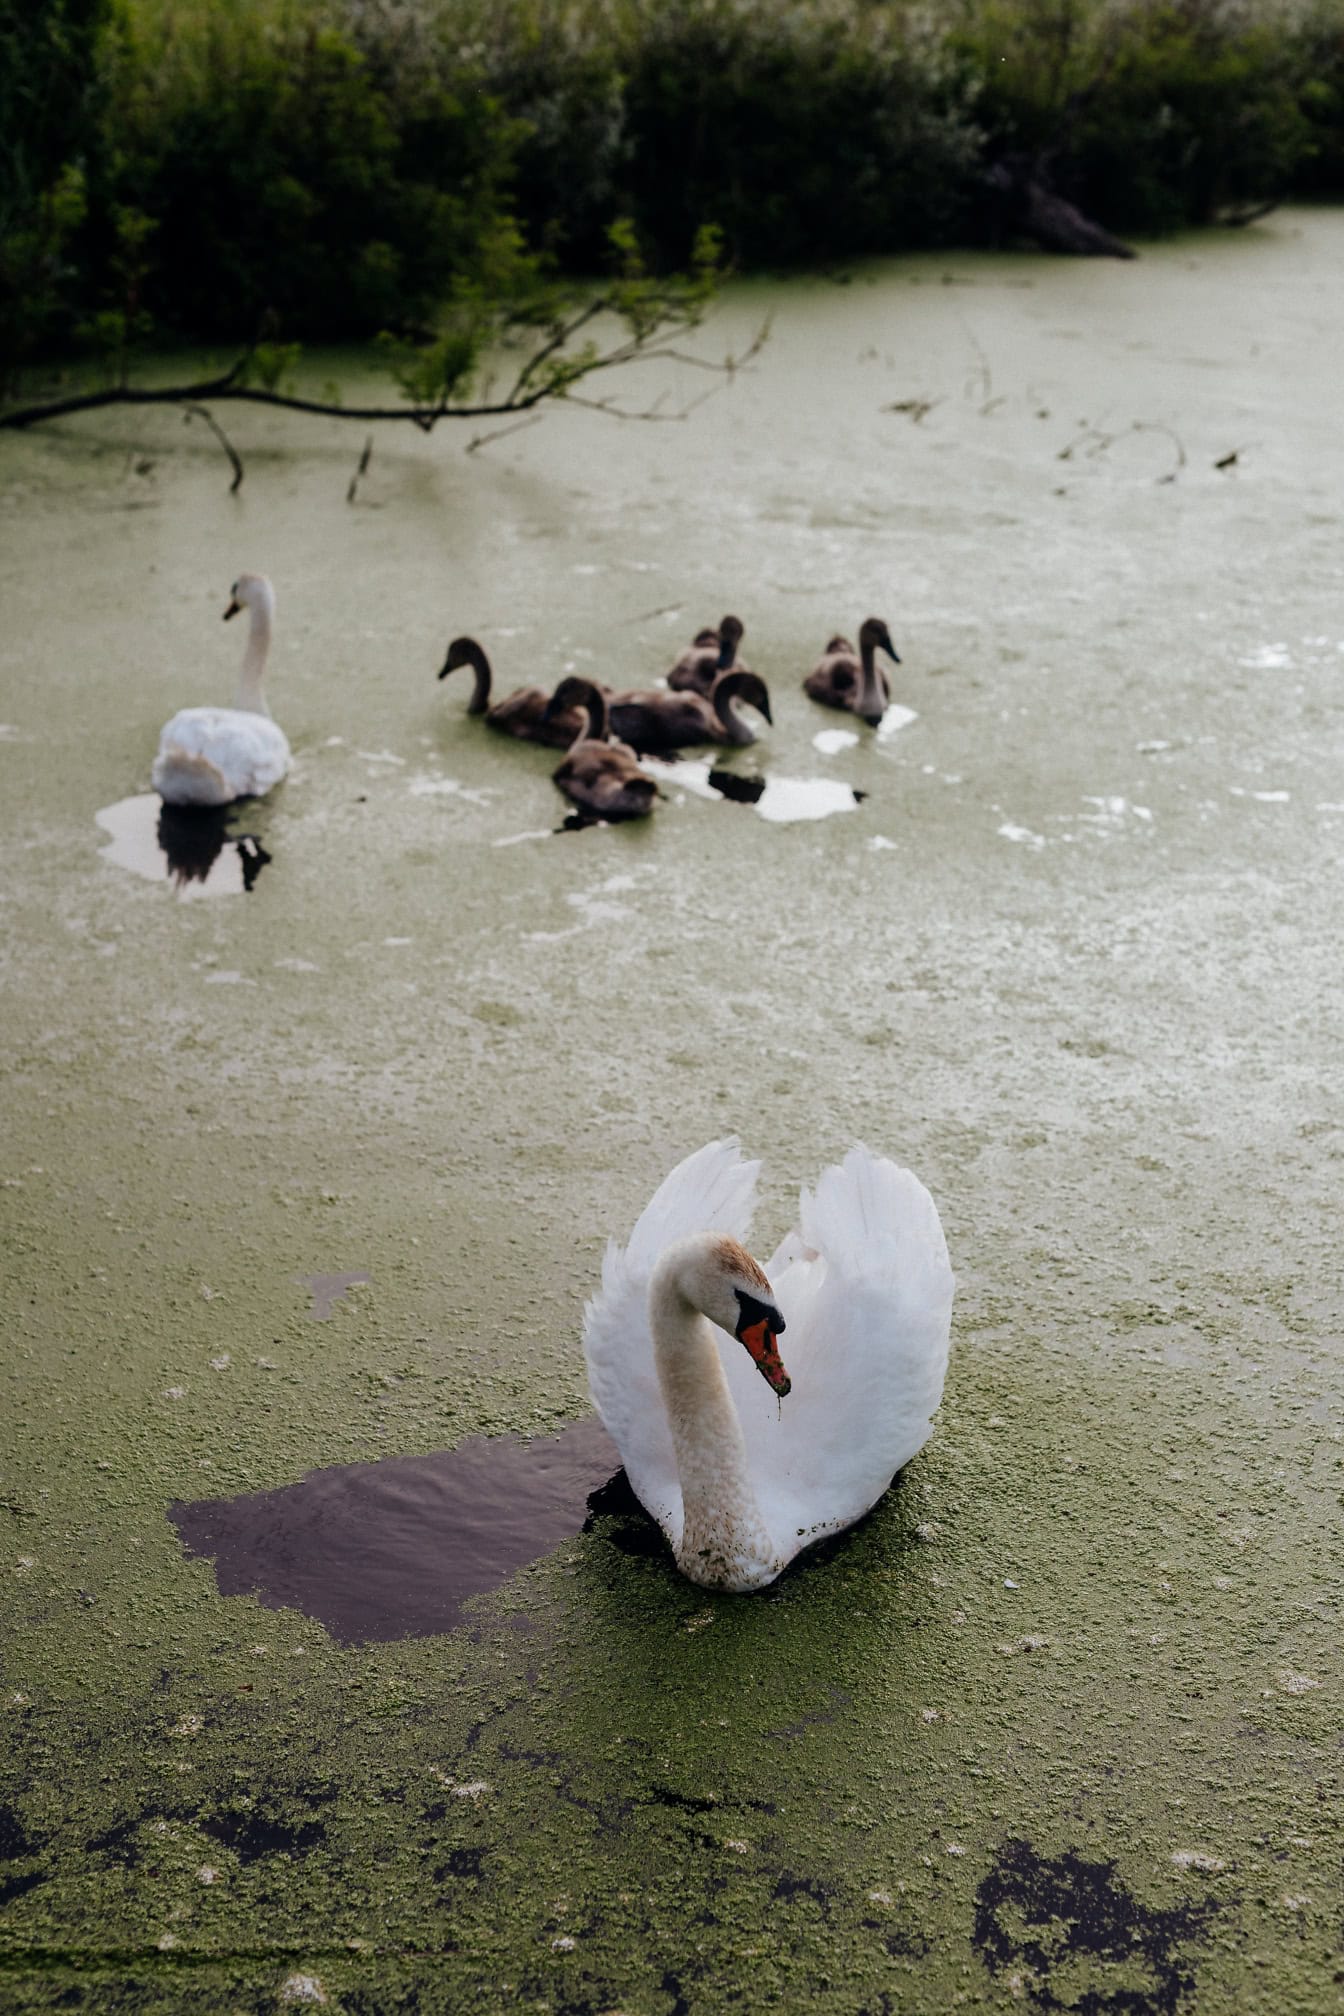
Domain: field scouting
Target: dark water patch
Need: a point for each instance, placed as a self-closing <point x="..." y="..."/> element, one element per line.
<point x="682" y="1802"/>
<point x="1043" y="1916"/>
<point x="15" y="1841"/>
<point x="194" y="848"/>
<point x="18" y="1886"/>
<point x="393" y="1549"/>
<point x="120" y="1839"/>
<point x="254" y="1833"/>
<point x="329" y="1289"/>
<point x="900" y="1945"/>
<point x="17" y="1845"/>
<point x="464" y="1865"/>
<point x="741" y="790"/>
<point x="788" y="1886"/>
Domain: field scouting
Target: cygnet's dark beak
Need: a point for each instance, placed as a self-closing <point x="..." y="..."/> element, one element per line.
<point x="235" y="608"/>
<point x="445" y="669"/>
<point x="763" y="707"/>
<point x="873" y="720"/>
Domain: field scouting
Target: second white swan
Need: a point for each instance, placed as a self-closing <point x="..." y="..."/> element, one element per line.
<point x="742" y="1475"/>
<point x="212" y="755"/>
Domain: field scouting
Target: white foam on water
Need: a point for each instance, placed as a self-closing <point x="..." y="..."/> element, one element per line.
<point x="894" y="719"/>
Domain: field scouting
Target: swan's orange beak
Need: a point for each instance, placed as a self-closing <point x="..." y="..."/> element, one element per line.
<point x="760" y="1340"/>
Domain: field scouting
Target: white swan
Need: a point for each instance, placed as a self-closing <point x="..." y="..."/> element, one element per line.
<point x="212" y="755"/>
<point x="740" y="1475"/>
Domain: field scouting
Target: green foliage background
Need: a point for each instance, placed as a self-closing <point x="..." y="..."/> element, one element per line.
<point x="284" y="169"/>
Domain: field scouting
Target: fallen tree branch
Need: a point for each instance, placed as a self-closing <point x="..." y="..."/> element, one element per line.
<point x="523" y="397"/>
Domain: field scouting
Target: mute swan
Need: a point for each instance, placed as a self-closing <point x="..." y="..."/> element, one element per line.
<point x="844" y="678"/>
<point x="212" y="755"/>
<point x="523" y="713"/>
<point x="653" y="722"/>
<point x="600" y="776"/>
<point x="740" y="1476"/>
<point x="700" y="664"/>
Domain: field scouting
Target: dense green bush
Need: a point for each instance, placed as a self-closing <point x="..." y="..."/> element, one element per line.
<point x="286" y="183"/>
<point x="1157" y="115"/>
<point x="49" y="108"/>
<point x="808" y="132"/>
<point x="219" y="168"/>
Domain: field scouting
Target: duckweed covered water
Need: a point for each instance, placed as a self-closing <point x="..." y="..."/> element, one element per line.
<point x="1058" y="1726"/>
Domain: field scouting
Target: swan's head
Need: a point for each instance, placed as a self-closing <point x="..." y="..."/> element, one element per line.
<point x="719" y="1277"/>
<point x="876" y="634"/>
<point x="740" y="684"/>
<point x="576" y="691"/>
<point x="730" y="636"/>
<point x="462" y="651"/>
<point x="250" y="591"/>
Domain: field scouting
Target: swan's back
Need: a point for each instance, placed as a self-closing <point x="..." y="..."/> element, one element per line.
<point x="866" y="1344"/>
<point x="212" y="755"/>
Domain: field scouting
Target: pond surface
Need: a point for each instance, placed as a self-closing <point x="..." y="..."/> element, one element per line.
<point x="315" y="1184"/>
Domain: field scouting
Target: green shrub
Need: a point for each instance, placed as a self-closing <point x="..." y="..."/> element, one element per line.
<point x="48" y="123"/>
<point x="1151" y="116"/>
<point x="289" y="189"/>
<point x="235" y="169"/>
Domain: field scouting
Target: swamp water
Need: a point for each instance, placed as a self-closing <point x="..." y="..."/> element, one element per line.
<point x="1058" y="1727"/>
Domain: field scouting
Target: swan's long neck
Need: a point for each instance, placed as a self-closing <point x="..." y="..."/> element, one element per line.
<point x="251" y="699"/>
<point x="480" y="692"/>
<point x="872" y="700"/>
<point x="727" y="687"/>
<point x="595" y="717"/>
<point x="724" y="1540"/>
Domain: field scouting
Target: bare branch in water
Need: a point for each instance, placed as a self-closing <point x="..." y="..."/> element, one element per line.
<point x="1095" y="442"/>
<point x="484" y="440"/>
<point x="1159" y="427"/>
<point x="361" y="470"/>
<point x="201" y="413"/>
<point x="546" y="375"/>
<point x="1237" y="218"/>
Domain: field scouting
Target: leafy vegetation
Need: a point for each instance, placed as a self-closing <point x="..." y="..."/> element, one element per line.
<point x="268" y="171"/>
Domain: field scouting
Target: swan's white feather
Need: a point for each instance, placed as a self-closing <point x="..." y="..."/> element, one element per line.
<point x="713" y="1190"/>
<point x="868" y="1319"/>
<point x="865" y="1287"/>
<point x="212" y="755"/>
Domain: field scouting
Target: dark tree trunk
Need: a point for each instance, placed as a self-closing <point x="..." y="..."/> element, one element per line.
<point x="1029" y="207"/>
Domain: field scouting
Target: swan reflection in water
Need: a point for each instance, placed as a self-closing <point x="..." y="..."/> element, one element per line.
<point x="194" y="848"/>
<point x="194" y="839"/>
<point x="780" y="800"/>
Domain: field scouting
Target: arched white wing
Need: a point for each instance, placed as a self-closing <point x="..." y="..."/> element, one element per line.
<point x="867" y="1318"/>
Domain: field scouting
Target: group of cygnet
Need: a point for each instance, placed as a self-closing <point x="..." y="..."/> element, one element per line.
<point x="213" y="755"/>
<point x="605" y="733"/>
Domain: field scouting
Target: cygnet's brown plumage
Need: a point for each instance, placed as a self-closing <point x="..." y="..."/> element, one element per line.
<point x="523" y="714"/>
<point x="655" y="722"/>
<point x="700" y="664"/>
<point x="600" y="776"/>
<point x="849" y="679"/>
